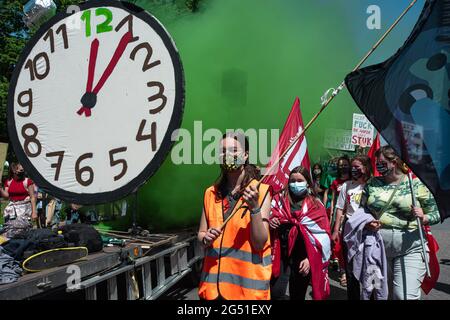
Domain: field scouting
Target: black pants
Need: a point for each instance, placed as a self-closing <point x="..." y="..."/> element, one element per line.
<point x="298" y="284"/>
<point x="353" y="288"/>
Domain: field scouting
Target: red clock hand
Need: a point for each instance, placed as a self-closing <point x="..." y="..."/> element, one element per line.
<point x="89" y="99"/>
<point x="112" y="64"/>
<point x="92" y="63"/>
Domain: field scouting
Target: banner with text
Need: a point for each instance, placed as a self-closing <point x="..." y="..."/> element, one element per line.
<point x="362" y="131"/>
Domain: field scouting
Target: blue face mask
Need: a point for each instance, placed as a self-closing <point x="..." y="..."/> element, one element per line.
<point x="298" y="188"/>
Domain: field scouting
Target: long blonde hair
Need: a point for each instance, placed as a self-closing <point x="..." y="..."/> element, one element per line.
<point x="389" y="153"/>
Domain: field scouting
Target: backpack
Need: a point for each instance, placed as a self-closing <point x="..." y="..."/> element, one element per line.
<point x="83" y="235"/>
<point x="32" y="241"/>
<point x="45" y="239"/>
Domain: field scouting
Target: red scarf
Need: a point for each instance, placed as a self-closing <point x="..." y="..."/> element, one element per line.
<point x="312" y="223"/>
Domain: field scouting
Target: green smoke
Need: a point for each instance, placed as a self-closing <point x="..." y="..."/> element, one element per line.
<point x="245" y="62"/>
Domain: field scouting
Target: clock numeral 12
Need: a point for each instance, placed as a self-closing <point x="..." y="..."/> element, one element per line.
<point x="102" y="27"/>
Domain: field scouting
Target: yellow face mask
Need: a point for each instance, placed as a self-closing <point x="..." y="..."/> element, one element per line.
<point x="232" y="162"/>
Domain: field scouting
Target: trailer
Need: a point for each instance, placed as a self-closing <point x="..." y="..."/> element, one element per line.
<point x="138" y="271"/>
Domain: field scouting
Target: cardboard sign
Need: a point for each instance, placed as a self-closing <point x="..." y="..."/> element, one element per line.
<point x="338" y="139"/>
<point x="362" y="131"/>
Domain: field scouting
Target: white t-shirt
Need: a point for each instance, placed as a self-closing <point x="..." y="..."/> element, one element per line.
<point x="350" y="197"/>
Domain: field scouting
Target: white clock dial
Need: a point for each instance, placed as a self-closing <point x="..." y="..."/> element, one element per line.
<point x="94" y="101"/>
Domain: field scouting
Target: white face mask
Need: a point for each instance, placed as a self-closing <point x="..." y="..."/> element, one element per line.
<point x="299" y="188"/>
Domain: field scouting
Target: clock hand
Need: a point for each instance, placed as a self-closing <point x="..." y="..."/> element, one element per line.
<point x="92" y="64"/>
<point x="112" y="64"/>
<point x="89" y="99"/>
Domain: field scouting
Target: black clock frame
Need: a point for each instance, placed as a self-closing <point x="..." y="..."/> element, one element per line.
<point x="167" y="143"/>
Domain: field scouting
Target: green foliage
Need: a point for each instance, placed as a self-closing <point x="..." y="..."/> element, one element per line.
<point x="192" y="5"/>
<point x="12" y="39"/>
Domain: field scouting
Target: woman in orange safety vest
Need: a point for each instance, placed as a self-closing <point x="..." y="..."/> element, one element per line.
<point x="237" y="263"/>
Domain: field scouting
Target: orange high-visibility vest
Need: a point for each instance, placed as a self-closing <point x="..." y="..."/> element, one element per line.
<point x="232" y="268"/>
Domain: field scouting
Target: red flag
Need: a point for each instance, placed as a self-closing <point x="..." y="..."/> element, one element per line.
<point x="311" y="222"/>
<point x="429" y="283"/>
<point x="297" y="155"/>
<point x="375" y="146"/>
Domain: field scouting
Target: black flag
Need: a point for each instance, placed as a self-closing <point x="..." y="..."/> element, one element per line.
<point x="407" y="98"/>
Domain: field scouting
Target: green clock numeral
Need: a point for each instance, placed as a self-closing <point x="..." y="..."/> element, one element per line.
<point x="86" y="16"/>
<point x="105" y="26"/>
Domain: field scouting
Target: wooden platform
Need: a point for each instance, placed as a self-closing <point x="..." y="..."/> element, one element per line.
<point x="34" y="284"/>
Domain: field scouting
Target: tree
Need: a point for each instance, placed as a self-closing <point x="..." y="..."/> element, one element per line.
<point x="13" y="37"/>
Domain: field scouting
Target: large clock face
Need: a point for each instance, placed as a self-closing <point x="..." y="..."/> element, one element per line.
<point x="94" y="101"/>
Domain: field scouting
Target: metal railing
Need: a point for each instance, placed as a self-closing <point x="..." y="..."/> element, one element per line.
<point x="147" y="277"/>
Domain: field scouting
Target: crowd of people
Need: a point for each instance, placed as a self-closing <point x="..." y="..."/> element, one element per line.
<point x="260" y="244"/>
<point x="363" y="226"/>
<point x="31" y="207"/>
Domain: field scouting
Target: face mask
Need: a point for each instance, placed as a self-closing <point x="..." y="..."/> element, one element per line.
<point x="317" y="172"/>
<point x="298" y="188"/>
<point x="232" y="162"/>
<point x="356" y="173"/>
<point x="383" y="169"/>
<point x="343" y="171"/>
<point x="20" y="174"/>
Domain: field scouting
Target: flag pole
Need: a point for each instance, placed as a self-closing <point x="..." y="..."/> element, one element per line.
<point x="419" y="224"/>
<point x="327" y="102"/>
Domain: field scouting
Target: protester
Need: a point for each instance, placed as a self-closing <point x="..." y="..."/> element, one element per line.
<point x="343" y="174"/>
<point x="41" y="206"/>
<point x="326" y="181"/>
<point x="296" y="256"/>
<point x="237" y="263"/>
<point x="388" y="198"/>
<point x="21" y="209"/>
<point x="347" y="203"/>
<point x="73" y="214"/>
<point x="321" y="182"/>
<point x="53" y="213"/>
